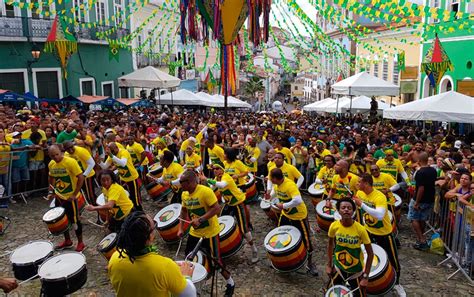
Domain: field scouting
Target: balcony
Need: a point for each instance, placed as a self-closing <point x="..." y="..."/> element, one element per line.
<point x="39" y="28"/>
<point x="155" y="60"/>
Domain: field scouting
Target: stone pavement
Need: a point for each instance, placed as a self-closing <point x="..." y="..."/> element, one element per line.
<point x="420" y="275"/>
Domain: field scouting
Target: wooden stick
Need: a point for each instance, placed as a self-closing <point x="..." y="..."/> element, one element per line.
<point x="92" y="223"/>
<point x="6" y="254"/>
<point x="27" y="280"/>
<point x="183" y="220"/>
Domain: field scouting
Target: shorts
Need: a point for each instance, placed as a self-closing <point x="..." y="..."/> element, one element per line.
<point x="36" y="165"/>
<point x="20" y="174"/>
<point x="422" y="214"/>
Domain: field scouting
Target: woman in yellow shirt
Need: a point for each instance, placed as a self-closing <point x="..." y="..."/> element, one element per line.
<point x="4" y="163"/>
<point x="234" y="167"/>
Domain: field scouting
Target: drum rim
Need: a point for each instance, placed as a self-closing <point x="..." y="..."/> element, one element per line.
<point x="339" y="286"/>
<point x="102" y="199"/>
<point x="163" y="210"/>
<point x="319" y="192"/>
<point x="107" y="248"/>
<point x="226" y="217"/>
<point x="323" y="203"/>
<point x="397" y="200"/>
<point x="380" y="268"/>
<point x="43" y="278"/>
<point x="158" y="166"/>
<point x="201" y="267"/>
<point x="28" y="243"/>
<point x="55" y="219"/>
<point x="273" y="232"/>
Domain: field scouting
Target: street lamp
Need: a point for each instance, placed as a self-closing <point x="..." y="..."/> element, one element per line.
<point x="35" y="53"/>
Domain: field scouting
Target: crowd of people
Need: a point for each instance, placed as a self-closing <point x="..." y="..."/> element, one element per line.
<point x="361" y="163"/>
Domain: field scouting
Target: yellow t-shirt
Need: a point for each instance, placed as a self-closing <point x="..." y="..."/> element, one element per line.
<point x="374" y="200"/>
<point x="136" y="151"/>
<point x="123" y="204"/>
<point x="216" y="155"/>
<point x="270" y="166"/>
<point x="349" y="181"/>
<point x="172" y="173"/>
<point x="287" y="153"/>
<point x="320" y="161"/>
<point x="236" y="167"/>
<point x="348" y="255"/>
<point x="5" y="157"/>
<point x="285" y="193"/>
<point x="128" y="172"/>
<point x="65" y="176"/>
<point x="27" y="134"/>
<point x="385" y="181"/>
<point x="393" y="168"/>
<point x="193" y="161"/>
<point x="326" y="174"/>
<point x="197" y="204"/>
<point x="81" y="155"/>
<point x="289" y="171"/>
<point x="148" y="275"/>
<point x="231" y="193"/>
<point x="253" y="152"/>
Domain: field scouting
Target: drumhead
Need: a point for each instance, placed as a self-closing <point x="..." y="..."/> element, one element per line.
<point x="266" y="204"/>
<point x="31" y="252"/>
<point x="226" y="223"/>
<point x="199" y="274"/>
<point x="398" y="200"/>
<point x="100" y="199"/>
<point x="61" y="266"/>
<point x="155" y="167"/>
<point x="282" y="238"/>
<point x="108" y="241"/>
<point x="338" y="291"/>
<point x="167" y="215"/>
<point x="390" y="215"/>
<point x="379" y="261"/>
<point x="53" y="214"/>
<point x="324" y="212"/>
<point x="199" y="258"/>
<point x="250" y="179"/>
<point x="316" y="189"/>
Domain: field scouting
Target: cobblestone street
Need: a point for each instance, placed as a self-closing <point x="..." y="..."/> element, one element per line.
<point x="420" y="275"/>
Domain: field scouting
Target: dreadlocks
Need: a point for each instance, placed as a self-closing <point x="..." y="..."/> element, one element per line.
<point x="135" y="232"/>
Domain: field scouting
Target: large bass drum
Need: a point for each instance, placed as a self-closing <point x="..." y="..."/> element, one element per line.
<point x="285" y="248"/>
<point x="382" y="275"/>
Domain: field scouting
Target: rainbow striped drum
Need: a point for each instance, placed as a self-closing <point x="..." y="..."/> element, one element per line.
<point x="198" y="277"/>
<point x="167" y="222"/>
<point x="285" y="248"/>
<point x="202" y="259"/>
<point x="103" y="214"/>
<point x="271" y="212"/>
<point x="250" y="189"/>
<point x="325" y="215"/>
<point x="316" y="192"/>
<point x="107" y="246"/>
<point x="231" y="239"/>
<point x="156" y="170"/>
<point x="382" y="275"/>
<point x="338" y="291"/>
<point x="157" y="191"/>
<point x="398" y="205"/>
<point x="56" y="220"/>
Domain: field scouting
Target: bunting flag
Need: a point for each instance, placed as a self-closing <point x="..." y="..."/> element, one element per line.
<point x="401" y="61"/>
<point x="340" y="77"/>
<point x="114" y="51"/>
<point x="61" y="42"/>
<point x="436" y="62"/>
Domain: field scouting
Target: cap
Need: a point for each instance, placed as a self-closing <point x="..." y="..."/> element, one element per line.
<point x="16" y="133"/>
<point x="109" y="130"/>
<point x="457" y="144"/>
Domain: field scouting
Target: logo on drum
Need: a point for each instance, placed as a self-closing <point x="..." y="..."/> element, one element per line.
<point x="328" y="210"/>
<point x="280" y="240"/>
<point x="166" y="216"/>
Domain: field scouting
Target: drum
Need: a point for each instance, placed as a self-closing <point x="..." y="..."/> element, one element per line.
<point x="27" y="258"/>
<point x="316" y="192"/>
<point x="202" y="259"/>
<point x="103" y="214"/>
<point x="231" y="239"/>
<point x="338" y="291"/>
<point x="199" y="275"/>
<point x="398" y="205"/>
<point x="156" y="170"/>
<point x="285" y="248"/>
<point x="382" y="275"/>
<point x="81" y="203"/>
<point x="107" y="246"/>
<point x="63" y="274"/>
<point x="56" y="220"/>
<point x="271" y="212"/>
<point x="167" y="222"/>
<point x="325" y="215"/>
<point x="157" y="191"/>
<point x="250" y="189"/>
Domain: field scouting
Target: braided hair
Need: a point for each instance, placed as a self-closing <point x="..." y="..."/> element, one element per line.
<point x="134" y="234"/>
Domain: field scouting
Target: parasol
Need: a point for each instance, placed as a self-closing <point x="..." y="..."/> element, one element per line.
<point x="436" y="62"/>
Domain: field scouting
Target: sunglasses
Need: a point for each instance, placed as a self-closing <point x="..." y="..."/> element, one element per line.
<point x="374" y="170"/>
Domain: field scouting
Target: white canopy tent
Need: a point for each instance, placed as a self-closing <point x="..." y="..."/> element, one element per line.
<point x="209" y="100"/>
<point x="445" y="107"/>
<point x="319" y="105"/>
<point x="180" y="97"/>
<point x="362" y="103"/>
<point x="331" y="108"/>
<point x="233" y="102"/>
<point x="148" y="77"/>
<point x="365" y="84"/>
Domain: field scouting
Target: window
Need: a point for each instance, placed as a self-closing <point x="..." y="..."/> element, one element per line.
<point x="118" y="11"/>
<point x="124" y="92"/>
<point x="47" y="84"/>
<point x="395" y="72"/>
<point x="376" y="69"/>
<point x="87" y="86"/>
<point x="101" y="10"/>
<point x="8" y="10"/>
<point x="13" y="81"/>
<point x="454" y="7"/>
<point x="385" y="69"/>
<point x="436" y="3"/>
<point x="296" y="88"/>
<point x="41" y="9"/>
<point x="81" y="15"/>
<point x="108" y="88"/>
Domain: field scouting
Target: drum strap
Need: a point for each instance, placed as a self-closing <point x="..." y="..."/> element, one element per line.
<point x="146" y="250"/>
<point x="353" y="276"/>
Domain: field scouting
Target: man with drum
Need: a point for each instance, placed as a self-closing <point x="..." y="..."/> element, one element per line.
<point x="200" y="204"/>
<point x="65" y="182"/>
<point x="216" y="153"/>
<point x="289" y="171"/>
<point x="326" y="173"/>
<point x="345" y="257"/>
<point x="374" y="215"/>
<point x="234" y="199"/>
<point x="344" y="183"/>
<point x="293" y="210"/>
<point x="138" y="154"/>
<point x="171" y="173"/>
<point x="121" y="158"/>
<point x="192" y="160"/>
<point x="253" y="153"/>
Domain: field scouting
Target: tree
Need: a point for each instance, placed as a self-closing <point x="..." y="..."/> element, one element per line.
<point x="254" y="85"/>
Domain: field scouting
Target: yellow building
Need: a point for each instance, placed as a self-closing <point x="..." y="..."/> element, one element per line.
<point x="297" y="88"/>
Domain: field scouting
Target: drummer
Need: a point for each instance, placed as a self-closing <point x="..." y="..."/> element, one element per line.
<point x="392" y="166"/>
<point x="116" y="201"/>
<point x="234" y="199"/>
<point x="373" y="205"/>
<point x="287" y="154"/>
<point x="345" y="257"/>
<point x="235" y="168"/>
<point x="253" y="153"/>
<point x="200" y="204"/>
<point x="343" y="183"/>
<point x="289" y="171"/>
<point x="192" y="160"/>
<point x="136" y="268"/>
<point x="138" y="154"/>
<point x="293" y="210"/>
<point x="171" y="173"/>
<point x="326" y="174"/>
<point x="216" y="153"/>
<point x="65" y="182"/>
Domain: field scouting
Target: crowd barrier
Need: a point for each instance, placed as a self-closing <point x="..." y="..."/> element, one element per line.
<point x="453" y="221"/>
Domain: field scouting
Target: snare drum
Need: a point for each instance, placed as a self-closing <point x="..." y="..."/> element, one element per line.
<point x="398" y="205"/>
<point x="338" y="291"/>
<point x="103" y="214"/>
<point x="270" y="211"/>
<point x="156" y="170"/>
<point x="250" y="189"/>
<point x="26" y="259"/>
<point x="325" y="215"/>
<point x="316" y="192"/>
<point x="107" y="246"/>
<point x="63" y="274"/>
<point x="157" y="191"/>
<point x="382" y="275"/>
<point x="56" y="220"/>
<point x="285" y="248"/>
<point x="167" y="222"/>
<point x="202" y="259"/>
<point x="230" y="237"/>
<point x="199" y="275"/>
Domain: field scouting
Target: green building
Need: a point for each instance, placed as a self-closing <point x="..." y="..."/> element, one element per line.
<point x="459" y="46"/>
<point x="24" y="28"/>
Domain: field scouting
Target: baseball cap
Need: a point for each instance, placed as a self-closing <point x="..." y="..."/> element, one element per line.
<point x="16" y="133"/>
<point x="457" y="144"/>
<point x="109" y="130"/>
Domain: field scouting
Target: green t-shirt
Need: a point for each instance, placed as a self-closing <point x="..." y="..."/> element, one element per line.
<point x="64" y="136"/>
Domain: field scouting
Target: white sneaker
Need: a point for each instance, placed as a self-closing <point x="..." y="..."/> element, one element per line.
<point x="254" y="257"/>
<point x="400" y="290"/>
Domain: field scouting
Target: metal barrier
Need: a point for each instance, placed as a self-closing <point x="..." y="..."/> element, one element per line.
<point x="453" y="221"/>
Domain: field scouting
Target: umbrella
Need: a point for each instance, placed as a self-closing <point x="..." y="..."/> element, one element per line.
<point x="436" y="62"/>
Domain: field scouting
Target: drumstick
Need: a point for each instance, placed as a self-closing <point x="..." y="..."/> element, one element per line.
<point x="350" y="292"/>
<point x="92" y="223"/>
<point x="27" y="280"/>
<point x="6" y="254"/>
<point x="183" y="220"/>
<point x="179" y="248"/>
